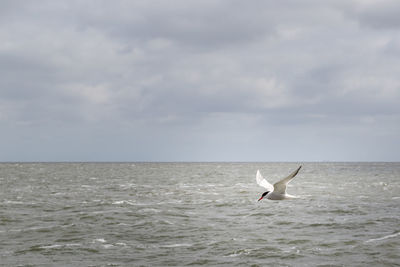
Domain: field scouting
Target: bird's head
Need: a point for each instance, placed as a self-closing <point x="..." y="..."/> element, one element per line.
<point x="263" y="195"/>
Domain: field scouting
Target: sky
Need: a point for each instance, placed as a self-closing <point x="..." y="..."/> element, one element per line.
<point x="200" y="80"/>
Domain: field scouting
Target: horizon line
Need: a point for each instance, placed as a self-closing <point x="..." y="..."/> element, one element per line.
<point x="177" y="161"/>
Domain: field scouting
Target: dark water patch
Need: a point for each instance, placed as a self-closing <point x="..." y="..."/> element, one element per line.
<point x="341" y="211"/>
<point x="205" y="262"/>
<point x="350" y="242"/>
<point x="68" y="239"/>
<point x="329" y="265"/>
<point x="90" y="250"/>
<point x="284" y="223"/>
<point x="261" y="214"/>
<point x="299" y="241"/>
<point x="325" y="225"/>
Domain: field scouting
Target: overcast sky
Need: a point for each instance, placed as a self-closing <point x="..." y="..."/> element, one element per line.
<point x="206" y="80"/>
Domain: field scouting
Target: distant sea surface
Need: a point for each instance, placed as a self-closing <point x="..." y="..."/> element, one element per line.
<point x="179" y="214"/>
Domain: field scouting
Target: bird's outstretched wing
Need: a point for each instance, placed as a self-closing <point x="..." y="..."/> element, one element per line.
<point x="280" y="187"/>
<point x="262" y="182"/>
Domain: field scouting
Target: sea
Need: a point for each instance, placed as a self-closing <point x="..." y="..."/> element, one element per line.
<point x="198" y="214"/>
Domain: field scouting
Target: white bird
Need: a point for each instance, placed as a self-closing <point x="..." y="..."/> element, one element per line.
<point x="278" y="190"/>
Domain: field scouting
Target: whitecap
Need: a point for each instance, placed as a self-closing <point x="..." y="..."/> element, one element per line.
<point x="128" y="186"/>
<point x="239" y="252"/>
<point x="13" y="202"/>
<point x="50" y="246"/>
<point x="119" y="202"/>
<point x="167" y="222"/>
<point x="177" y="245"/>
<point x="213" y="185"/>
<point x="124" y="224"/>
<point x="58" y="194"/>
<point x="57" y="246"/>
<point x="150" y="210"/>
<point x="383" y="237"/>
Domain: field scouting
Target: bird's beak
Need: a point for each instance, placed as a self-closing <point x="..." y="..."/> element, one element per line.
<point x="260" y="198"/>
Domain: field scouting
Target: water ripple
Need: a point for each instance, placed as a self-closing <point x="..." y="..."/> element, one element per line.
<point x="178" y="214"/>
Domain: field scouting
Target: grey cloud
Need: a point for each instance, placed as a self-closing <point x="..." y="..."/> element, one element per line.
<point x="197" y="23"/>
<point x="195" y="75"/>
<point x="379" y="14"/>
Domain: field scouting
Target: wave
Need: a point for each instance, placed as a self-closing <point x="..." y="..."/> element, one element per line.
<point x="383" y="237"/>
<point x="177" y="245"/>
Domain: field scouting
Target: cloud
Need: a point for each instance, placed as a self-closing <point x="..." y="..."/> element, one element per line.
<point x="200" y="24"/>
<point x="376" y="14"/>
<point x="200" y="78"/>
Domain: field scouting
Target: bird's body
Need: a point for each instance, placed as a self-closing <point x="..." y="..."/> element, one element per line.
<point x="277" y="196"/>
<point x="278" y="190"/>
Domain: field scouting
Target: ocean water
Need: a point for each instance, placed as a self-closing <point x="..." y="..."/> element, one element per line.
<point x="179" y="214"/>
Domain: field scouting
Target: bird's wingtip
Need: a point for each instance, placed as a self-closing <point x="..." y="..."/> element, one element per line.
<point x="258" y="175"/>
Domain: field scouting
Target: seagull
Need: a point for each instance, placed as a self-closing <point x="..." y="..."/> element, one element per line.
<point x="278" y="190"/>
